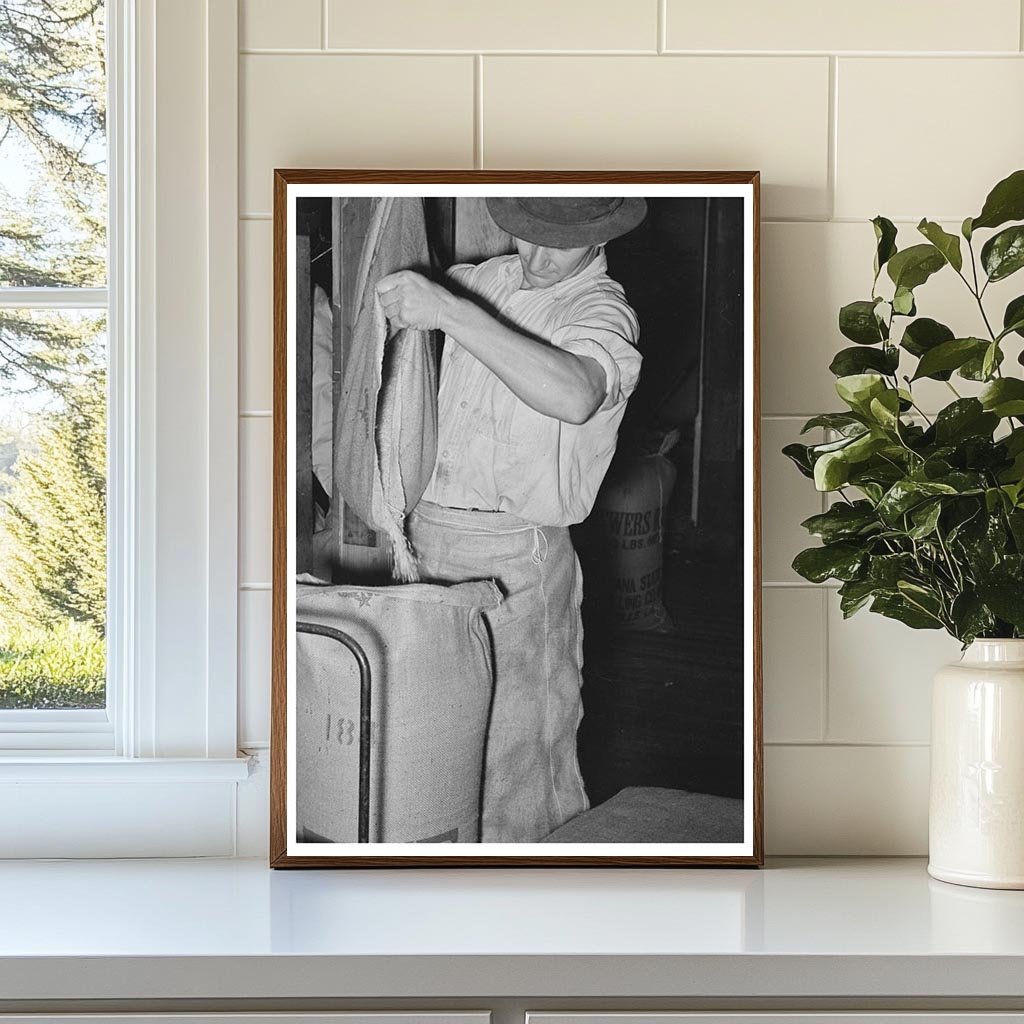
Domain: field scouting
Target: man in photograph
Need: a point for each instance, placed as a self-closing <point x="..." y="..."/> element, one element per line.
<point x="539" y="361"/>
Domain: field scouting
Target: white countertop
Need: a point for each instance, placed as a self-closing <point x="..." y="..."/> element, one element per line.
<point x="234" y="929"/>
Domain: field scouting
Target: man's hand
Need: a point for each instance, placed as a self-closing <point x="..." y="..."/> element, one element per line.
<point x="412" y="300"/>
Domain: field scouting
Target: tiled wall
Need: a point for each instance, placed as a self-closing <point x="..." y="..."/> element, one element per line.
<point x="908" y="109"/>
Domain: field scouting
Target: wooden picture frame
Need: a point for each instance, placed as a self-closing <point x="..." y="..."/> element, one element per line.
<point x="711" y="223"/>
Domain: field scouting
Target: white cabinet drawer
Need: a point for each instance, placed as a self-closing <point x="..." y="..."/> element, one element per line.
<point x="853" y="1017"/>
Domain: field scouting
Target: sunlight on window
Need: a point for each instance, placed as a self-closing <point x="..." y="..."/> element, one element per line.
<point x="53" y="223"/>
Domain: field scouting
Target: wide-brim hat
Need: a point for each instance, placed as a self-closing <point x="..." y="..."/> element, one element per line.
<point x="566" y="222"/>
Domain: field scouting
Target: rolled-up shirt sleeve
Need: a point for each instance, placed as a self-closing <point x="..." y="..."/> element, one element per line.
<point x="605" y="330"/>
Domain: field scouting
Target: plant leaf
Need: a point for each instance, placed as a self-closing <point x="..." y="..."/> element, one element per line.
<point x="950" y="355"/>
<point x="906" y="494"/>
<point x="899" y="608"/>
<point x="1005" y="596"/>
<point x="1005" y="202"/>
<point x="858" y="389"/>
<point x="799" y="455"/>
<point x="841" y="421"/>
<point x="903" y="302"/>
<point x="842" y="521"/>
<point x="1004" y="397"/>
<point x="947" y="244"/>
<point x="913" y="266"/>
<point x="964" y="418"/>
<point x="849" y="361"/>
<point x="855" y="594"/>
<point x="887" y="570"/>
<point x="1013" y="317"/>
<point x="841" y="561"/>
<point x="1003" y="254"/>
<point x="990" y="360"/>
<point x="970" y="616"/>
<point x="885" y="237"/>
<point x="885" y="409"/>
<point x="923" y="335"/>
<point x="974" y="368"/>
<point x="925" y="518"/>
<point x="857" y="321"/>
<point x="831" y="471"/>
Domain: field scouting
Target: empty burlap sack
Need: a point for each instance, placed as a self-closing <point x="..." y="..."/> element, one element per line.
<point x="386" y="437"/>
<point x="431" y="682"/>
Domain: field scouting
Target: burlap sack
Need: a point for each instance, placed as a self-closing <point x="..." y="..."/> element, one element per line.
<point x="631" y="518"/>
<point x="431" y="671"/>
<point x="386" y="434"/>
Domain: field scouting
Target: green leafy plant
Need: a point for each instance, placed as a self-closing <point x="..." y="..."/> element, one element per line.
<point x="927" y="525"/>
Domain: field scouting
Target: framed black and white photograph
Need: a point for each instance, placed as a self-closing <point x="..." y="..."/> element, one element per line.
<point x="516" y="612"/>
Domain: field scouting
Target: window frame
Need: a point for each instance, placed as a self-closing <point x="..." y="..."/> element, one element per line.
<point x="53" y="731"/>
<point x="168" y="764"/>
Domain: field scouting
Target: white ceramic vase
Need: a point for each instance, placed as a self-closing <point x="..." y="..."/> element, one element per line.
<point x="976" y="814"/>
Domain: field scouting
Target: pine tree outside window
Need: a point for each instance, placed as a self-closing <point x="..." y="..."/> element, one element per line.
<point x="53" y="366"/>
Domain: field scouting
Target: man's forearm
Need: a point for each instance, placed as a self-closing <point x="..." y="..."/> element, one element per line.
<point x="549" y="380"/>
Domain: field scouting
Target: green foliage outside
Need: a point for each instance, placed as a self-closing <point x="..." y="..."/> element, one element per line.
<point x="52" y="541"/>
<point x="927" y="526"/>
<point x="52" y="365"/>
<point x="59" y="667"/>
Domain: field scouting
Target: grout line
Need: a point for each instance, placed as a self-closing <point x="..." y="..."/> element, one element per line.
<point x="663" y="26"/>
<point x="478" y="111"/>
<point x="833" y="135"/>
<point x="829" y="585"/>
<point x="855" y="744"/>
<point x="323" y="24"/>
<point x="254" y="414"/>
<point x="254" y="586"/>
<point x="952" y="221"/>
<point x="860" y="54"/>
<point x="825" y="652"/>
<point x="343" y="51"/>
<point x="259" y="51"/>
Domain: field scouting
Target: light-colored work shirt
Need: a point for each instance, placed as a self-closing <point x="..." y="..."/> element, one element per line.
<point x="496" y="453"/>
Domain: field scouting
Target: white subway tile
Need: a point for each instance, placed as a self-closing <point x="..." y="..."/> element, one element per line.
<point x="269" y="24"/>
<point x="868" y="25"/>
<point x="847" y="801"/>
<point x="254" y="507"/>
<point x="254" y="610"/>
<point x="879" y="677"/>
<point x="255" y="318"/>
<point x="926" y="137"/>
<point x="793" y="631"/>
<point x="680" y="113"/>
<point x="787" y="498"/>
<point x="809" y="271"/>
<point x="351" y="111"/>
<point x="471" y="25"/>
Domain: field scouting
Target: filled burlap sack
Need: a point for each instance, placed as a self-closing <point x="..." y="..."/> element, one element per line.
<point x="431" y="674"/>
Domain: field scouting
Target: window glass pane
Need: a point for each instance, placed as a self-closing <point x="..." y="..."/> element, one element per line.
<point x="52" y="509"/>
<point x="53" y="150"/>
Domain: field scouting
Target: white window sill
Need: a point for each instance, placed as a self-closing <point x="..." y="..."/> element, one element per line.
<point x="78" y="767"/>
<point x="76" y="805"/>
